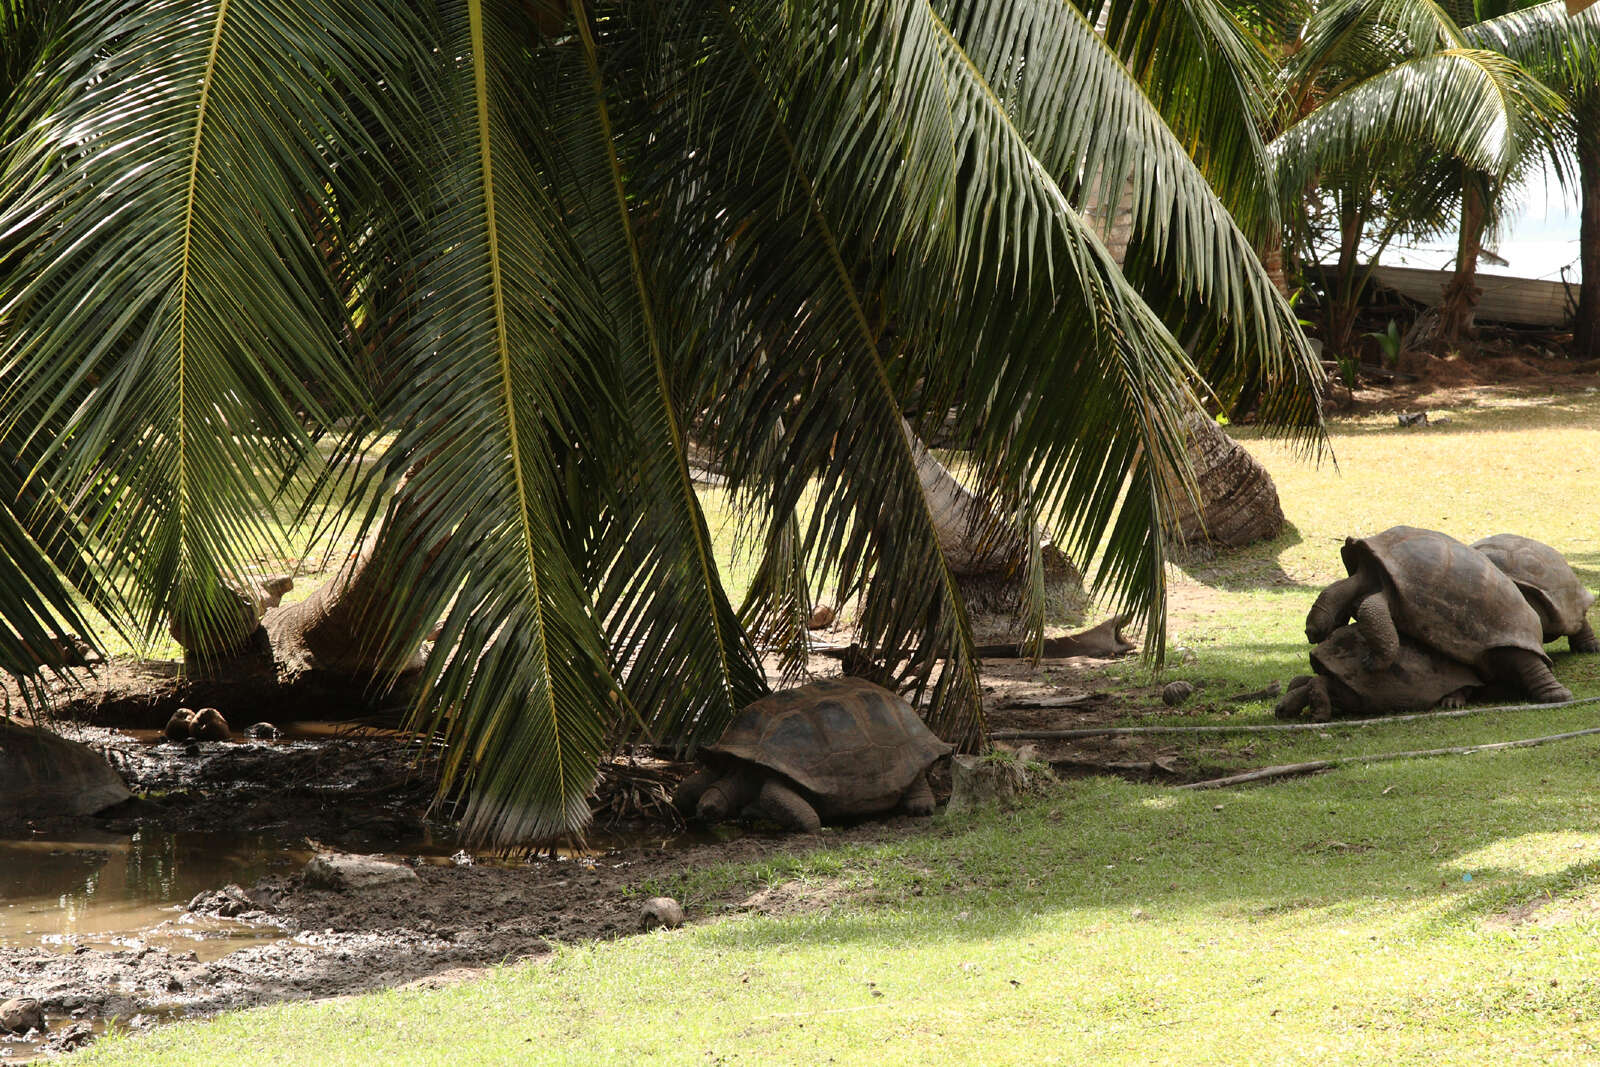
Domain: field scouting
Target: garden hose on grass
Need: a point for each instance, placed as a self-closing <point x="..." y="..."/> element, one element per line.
<point x="1290" y="770"/>
<point x="1256" y="728"/>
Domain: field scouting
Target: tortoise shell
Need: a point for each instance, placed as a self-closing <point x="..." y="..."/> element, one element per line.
<point x="1418" y="678"/>
<point x="1546" y="579"/>
<point x="44" y="774"/>
<point x="1445" y="595"/>
<point x="848" y="742"/>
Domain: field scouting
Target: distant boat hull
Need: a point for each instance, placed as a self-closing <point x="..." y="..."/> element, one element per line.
<point x="1521" y="301"/>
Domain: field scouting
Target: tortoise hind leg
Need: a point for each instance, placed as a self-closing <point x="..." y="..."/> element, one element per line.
<point x="787" y="808"/>
<point x="1533" y="674"/>
<point x="918" y="797"/>
<point x="1318" y="700"/>
<point x="1584" y="640"/>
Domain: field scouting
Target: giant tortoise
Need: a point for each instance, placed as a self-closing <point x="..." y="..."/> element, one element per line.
<point x="1549" y="585"/>
<point x="44" y="774"/>
<point x="1346" y="684"/>
<point x="837" y="747"/>
<point x="1437" y="591"/>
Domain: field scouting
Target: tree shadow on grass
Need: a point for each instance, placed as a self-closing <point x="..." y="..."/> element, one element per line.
<point x="1242" y="569"/>
<point x="1373" y="839"/>
<point x="1505" y="410"/>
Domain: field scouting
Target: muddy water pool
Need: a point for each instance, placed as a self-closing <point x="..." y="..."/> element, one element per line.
<point x="105" y="890"/>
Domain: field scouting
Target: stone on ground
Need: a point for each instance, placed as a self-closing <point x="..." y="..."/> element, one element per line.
<point x="19" y="1015"/>
<point x="660" y="912"/>
<point x="342" y="871"/>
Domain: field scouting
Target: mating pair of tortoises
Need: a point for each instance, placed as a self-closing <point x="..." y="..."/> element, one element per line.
<point x="1435" y="620"/>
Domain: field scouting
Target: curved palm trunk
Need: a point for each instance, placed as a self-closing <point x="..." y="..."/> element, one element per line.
<point x="988" y="555"/>
<point x="1238" y="500"/>
<point x="338" y="630"/>
<point x="339" y="627"/>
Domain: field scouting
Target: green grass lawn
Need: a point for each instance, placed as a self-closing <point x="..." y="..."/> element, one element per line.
<point x="1443" y="910"/>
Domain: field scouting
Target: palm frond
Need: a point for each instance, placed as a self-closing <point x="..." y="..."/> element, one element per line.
<point x="840" y="326"/>
<point x="1092" y="128"/>
<point x="167" y="304"/>
<point x="1210" y="78"/>
<point x="500" y="368"/>
<point x="38" y="610"/>
<point x="1473" y="105"/>
<point x="1563" y="50"/>
<point x="677" y="644"/>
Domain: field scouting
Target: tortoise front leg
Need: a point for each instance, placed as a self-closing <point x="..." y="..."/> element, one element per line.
<point x="787" y="808"/>
<point x="1333" y="608"/>
<point x="1377" y="630"/>
<point x="918" y="797"/>
<point x="1295" y="698"/>
<point x="726" y="797"/>
<point x="1584" y="640"/>
<point x="687" y="796"/>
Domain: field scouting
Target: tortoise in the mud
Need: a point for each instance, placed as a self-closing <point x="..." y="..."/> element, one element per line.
<point x="1549" y="585"/>
<point x="1437" y="591"/>
<point x="209" y="725"/>
<point x="837" y="747"/>
<point x="1344" y="683"/>
<point x="180" y="726"/>
<point x="42" y="774"/>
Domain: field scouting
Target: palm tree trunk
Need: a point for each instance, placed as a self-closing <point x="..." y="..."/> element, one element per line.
<point x="1461" y="294"/>
<point x="987" y="554"/>
<point x="1238" y="500"/>
<point x="1586" y="328"/>
<point x="1344" y="298"/>
<point x="340" y="626"/>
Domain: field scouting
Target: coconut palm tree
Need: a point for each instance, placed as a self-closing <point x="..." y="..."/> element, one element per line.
<point x="1401" y="114"/>
<point x="523" y="246"/>
<point x="1563" y="51"/>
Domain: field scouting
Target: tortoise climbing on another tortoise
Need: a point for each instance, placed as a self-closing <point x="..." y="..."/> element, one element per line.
<point x="1437" y="591"/>
<point x="836" y="747"/>
<point x="1549" y="585"/>
<point x="1344" y="683"/>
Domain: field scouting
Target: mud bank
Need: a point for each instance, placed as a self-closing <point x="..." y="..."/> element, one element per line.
<point x="455" y="919"/>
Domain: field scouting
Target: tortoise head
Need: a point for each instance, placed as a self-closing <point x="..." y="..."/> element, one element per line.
<point x="728" y="795"/>
<point x="715" y="805"/>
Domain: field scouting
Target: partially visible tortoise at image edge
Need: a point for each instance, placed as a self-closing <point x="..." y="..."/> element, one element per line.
<point x="1439" y="592"/>
<point x="840" y="747"/>
<point x="1549" y="584"/>
<point x="1345" y="684"/>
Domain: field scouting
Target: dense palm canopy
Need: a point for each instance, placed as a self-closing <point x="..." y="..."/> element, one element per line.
<point x="528" y="246"/>
<point x="1412" y="117"/>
